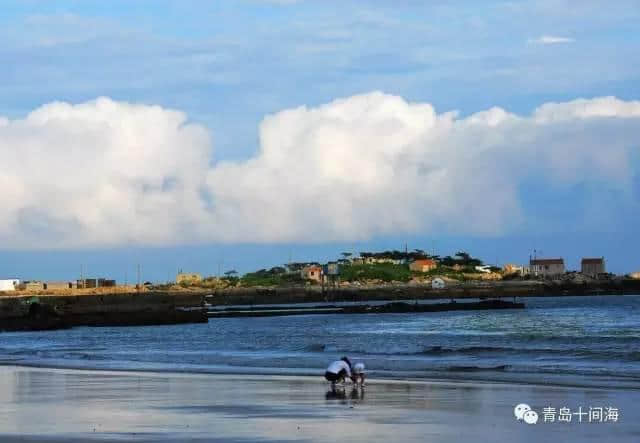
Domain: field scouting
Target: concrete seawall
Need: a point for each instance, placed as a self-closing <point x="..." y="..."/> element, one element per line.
<point x="387" y="308"/>
<point x="129" y="309"/>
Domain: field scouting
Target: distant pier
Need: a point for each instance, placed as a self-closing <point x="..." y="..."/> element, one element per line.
<point x="386" y="308"/>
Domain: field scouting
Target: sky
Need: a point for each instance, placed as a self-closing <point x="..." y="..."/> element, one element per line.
<point x="242" y="134"/>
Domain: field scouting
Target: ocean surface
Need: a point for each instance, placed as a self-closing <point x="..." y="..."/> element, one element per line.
<point x="564" y="340"/>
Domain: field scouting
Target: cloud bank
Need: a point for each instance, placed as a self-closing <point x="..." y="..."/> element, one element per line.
<point x="107" y="173"/>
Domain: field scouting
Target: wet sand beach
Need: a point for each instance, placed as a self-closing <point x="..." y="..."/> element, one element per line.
<point x="62" y="405"/>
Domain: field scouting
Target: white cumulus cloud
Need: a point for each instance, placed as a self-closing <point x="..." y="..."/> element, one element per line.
<point x="100" y="173"/>
<point x="107" y="173"/>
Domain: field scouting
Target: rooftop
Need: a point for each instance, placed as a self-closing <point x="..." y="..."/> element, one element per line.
<point x="547" y="261"/>
<point x="593" y="261"/>
<point x="425" y="261"/>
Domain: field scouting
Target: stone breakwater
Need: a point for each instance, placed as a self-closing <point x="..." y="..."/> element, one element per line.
<point x="387" y="308"/>
<point x="24" y="313"/>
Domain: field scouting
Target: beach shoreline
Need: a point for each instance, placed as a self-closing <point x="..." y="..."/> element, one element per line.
<point x="490" y="375"/>
<point x="563" y="342"/>
<point x="51" y="405"/>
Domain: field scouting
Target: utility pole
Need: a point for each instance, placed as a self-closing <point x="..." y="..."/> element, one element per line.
<point x="138" y="285"/>
<point x="220" y="266"/>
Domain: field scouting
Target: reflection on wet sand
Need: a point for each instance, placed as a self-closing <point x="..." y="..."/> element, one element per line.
<point x="356" y="394"/>
<point x="66" y="405"/>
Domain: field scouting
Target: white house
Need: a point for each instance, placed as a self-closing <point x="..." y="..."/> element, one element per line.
<point x="547" y="266"/>
<point x="510" y="268"/>
<point x="9" y="284"/>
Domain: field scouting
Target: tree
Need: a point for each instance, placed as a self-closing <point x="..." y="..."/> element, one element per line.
<point x="461" y="259"/>
<point x="448" y="261"/>
<point x="231" y="273"/>
<point x="463" y="255"/>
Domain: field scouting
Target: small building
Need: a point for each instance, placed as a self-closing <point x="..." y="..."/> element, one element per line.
<point x="332" y="268"/>
<point x="105" y="283"/>
<point x="485" y="269"/>
<point x="424" y="265"/>
<point x="547" y="267"/>
<point x="87" y="283"/>
<point x="592" y="266"/>
<point x="513" y="269"/>
<point x="32" y="286"/>
<point x="188" y="278"/>
<point x="437" y="283"/>
<point x="313" y="272"/>
<point x="394" y="261"/>
<point x="57" y="285"/>
<point x="10" y="284"/>
<point x="384" y="260"/>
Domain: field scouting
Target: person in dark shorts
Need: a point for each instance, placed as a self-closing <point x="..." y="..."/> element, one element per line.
<point x="338" y="371"/>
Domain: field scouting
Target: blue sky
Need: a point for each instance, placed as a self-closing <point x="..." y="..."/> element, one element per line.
<point x="226" y="65"/>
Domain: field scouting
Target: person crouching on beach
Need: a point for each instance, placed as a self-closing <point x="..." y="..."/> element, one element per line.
<point x="358" y="373"/>
<point x="338" y="371"/>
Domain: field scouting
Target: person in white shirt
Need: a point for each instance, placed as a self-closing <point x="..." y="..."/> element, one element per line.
<point x="338" y="371"/>
<point x="358" y="373"/>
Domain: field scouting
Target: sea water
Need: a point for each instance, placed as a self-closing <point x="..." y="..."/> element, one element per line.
<point x="555" y="339"/>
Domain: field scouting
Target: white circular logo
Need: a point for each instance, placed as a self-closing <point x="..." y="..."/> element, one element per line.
<point x="530" y="417"/>
<point x="520" y="410"/>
